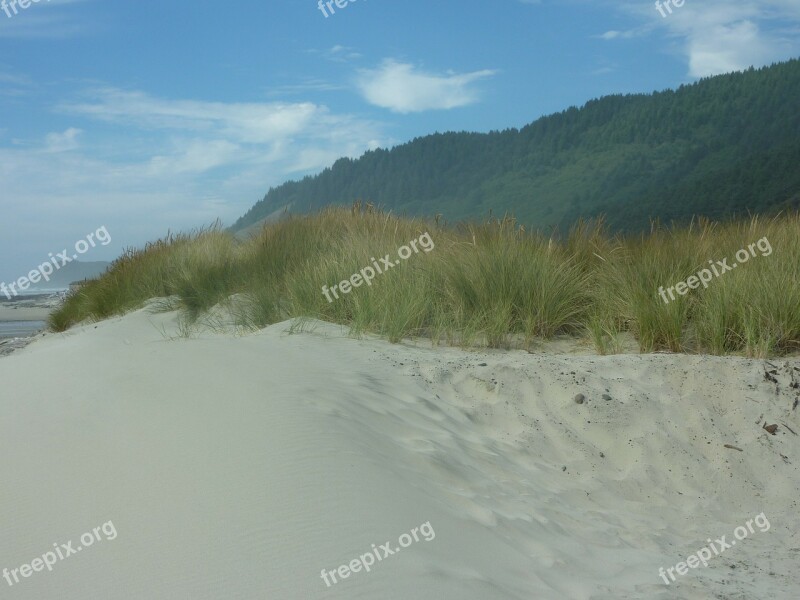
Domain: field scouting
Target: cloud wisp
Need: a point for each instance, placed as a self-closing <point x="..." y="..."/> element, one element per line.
<point x="120" y="154"/>
<point x="402" y="88"/>
<point x="719" y="36"/>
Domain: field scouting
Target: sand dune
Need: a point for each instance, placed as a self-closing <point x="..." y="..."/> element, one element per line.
<point x="241" y="467"/>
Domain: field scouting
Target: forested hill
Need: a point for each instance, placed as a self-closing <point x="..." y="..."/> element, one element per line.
<point x="722" y="146"/>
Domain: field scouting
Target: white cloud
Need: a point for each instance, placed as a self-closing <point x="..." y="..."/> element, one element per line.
<point x="630" y="33"/>
<point x="14" y="79"/>
<point x="62" y="142"/>
<point x="245" y="122"/>
<point x="194" y="157"/>
<point x="142" y="164"/>
<point x="41" y="20"/>
<point x="400" y="88"/>
<point x="340" y="53"/>
<point x="304" y="86"/>
<point x="727" y="48"/>
<point x="235" y="133"/>
<point x="720" y="36"/>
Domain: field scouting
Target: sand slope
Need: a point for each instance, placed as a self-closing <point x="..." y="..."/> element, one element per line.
<point x="240" y="467"/>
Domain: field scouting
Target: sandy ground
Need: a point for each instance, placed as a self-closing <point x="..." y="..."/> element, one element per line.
<point x="240" y="467"/>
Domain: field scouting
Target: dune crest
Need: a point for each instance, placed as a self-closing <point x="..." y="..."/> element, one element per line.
<point x="240" y="467"/>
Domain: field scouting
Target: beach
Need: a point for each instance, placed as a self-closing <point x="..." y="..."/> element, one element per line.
<point x="305" y="303"/>
<point x="22" y="318"/>
<point x="25" y="314"/>
<point x="257" y="465"/>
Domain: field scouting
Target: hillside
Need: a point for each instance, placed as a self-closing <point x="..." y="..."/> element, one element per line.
<point x="725" y="145"/>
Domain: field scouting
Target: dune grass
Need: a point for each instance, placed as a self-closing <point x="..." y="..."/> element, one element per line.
<point x="486" y="283"/>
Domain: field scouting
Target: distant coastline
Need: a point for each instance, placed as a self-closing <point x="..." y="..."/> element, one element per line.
<point x="26" y="315"/>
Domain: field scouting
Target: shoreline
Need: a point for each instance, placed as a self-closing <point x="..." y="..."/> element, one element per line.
<point x="22" y="319"/>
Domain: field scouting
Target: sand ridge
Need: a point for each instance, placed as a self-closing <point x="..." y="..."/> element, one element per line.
<point x="241" y="466"/>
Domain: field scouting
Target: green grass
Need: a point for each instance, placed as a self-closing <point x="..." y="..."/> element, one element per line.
<point x="484" y="283"/>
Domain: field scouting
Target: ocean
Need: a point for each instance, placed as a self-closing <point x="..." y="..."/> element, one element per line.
<point x="23" y="315"/>
<point x="13" y="329"/>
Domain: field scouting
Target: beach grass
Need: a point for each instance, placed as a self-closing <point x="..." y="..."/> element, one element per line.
<point x="490" y="283"/>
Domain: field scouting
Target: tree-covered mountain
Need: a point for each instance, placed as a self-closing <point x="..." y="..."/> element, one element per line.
<point x="722" y="146"/>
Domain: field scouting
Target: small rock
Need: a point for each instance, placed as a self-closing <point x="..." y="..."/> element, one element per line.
<point x="482" y="365"/>
<point x="606" y="397"/>
<point x="579" y="399"/>
<point x="563" y="468"/>
<point x="602" y="455"/>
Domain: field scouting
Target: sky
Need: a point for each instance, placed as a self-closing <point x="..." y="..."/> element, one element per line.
<point x="144" y="117"/>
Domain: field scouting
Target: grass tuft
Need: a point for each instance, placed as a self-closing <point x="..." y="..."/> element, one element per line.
<point x="484" y="283"/>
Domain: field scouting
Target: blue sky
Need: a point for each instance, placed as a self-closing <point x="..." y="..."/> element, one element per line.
<point x="148" y="116"/>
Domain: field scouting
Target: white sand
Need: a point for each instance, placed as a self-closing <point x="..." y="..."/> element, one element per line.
<point x="239" y="468"/>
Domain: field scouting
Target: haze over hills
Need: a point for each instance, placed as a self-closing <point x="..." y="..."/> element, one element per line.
<point x="69" y="273"/>
<point x="726" y="145"/>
